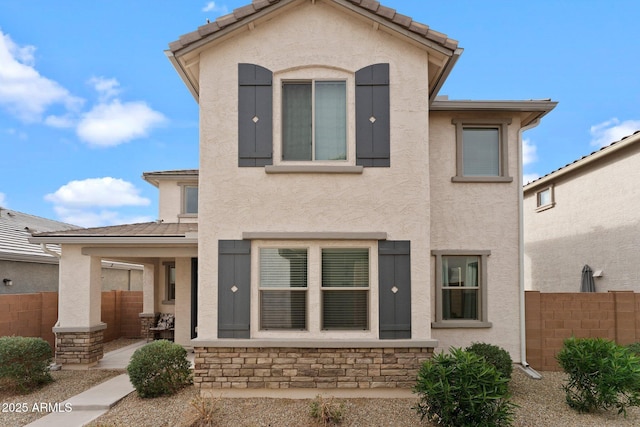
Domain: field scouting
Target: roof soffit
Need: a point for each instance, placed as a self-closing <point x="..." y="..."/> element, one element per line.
<point x="185" y="52"/>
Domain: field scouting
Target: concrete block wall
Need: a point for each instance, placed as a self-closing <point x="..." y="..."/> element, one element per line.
<point x="553" y="317"/>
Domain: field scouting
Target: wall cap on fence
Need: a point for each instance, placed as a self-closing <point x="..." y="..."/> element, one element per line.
<point x="292" y="343"/>
<point x="147" y="315"/>
<point x="99" y="327"/>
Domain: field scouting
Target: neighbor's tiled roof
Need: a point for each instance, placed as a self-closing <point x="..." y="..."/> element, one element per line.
<point x="610" y="147"/>
<point x="145" y="229"/>
<point x="16" y="228"/>
<point x="185" y="172"/>
<point x="256" y="6"/>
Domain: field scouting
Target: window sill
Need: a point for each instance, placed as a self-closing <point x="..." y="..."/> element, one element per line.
<point x="451" y="324"/>
<point x="188" y="215"/>
<point x="313" y="169"/>
<point x="313" y="343"/>
<point x="545" y="207"/>
<point x="169" y="302"/>
<point x="481" y="179"/>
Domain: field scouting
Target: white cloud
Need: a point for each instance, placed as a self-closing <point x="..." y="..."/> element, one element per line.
<point x="529" y="152"/>
<point x="529" y="177"/>
<point x="20" y="134"/>
<point x="3" y="199"/>
<point x="23" y="91"/>
<point x="96" y="218"/>
<point x="61" y="122"/>
<point x="611" y="131"/>
<point x="92" y="192"/>
<point x="91" y="202"/>
<point x="113" y="123"/>
<point x="106" y="88"/>
<point x="213" y="7"/>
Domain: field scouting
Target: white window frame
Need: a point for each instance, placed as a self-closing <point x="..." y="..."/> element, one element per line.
<point x="483" y="317"/>
<point x="503" y="135"/>
<point x="183" y="199"/>
<point x="552" y="200"/>
<point x="314" y="290"/>
<point x="313" y="74"/>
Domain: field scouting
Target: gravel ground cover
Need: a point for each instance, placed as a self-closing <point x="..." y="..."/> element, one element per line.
<point x="541" y="403"/>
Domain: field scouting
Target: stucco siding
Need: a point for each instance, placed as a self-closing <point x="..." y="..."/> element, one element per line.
<point x="478" y="216"/>
<point x="595" y="221"/>
<point x="394" y="200"/>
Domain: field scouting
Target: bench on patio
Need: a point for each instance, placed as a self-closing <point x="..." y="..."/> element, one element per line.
<point x="164" y="327"/>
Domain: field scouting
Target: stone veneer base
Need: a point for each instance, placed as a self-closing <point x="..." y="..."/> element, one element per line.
<point x="79" y="349"/>
<point x="147" y="320"/>
<point x="321" y="368"/>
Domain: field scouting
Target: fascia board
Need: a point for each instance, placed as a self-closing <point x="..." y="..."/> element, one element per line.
<point x="110" y="240"/>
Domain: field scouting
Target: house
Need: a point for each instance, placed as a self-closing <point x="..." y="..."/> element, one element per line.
<point x="349" y="222"/>
<point x="585" y="213"/>
<point x="27" y="268"/>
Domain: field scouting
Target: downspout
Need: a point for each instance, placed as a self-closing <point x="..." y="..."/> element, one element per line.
<point x="46" y="250"/>
<point x="523" y="326"/>
<point x="54" y="366"/>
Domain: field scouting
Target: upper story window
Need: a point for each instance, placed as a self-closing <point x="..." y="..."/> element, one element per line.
<point x="314" y="120"/>
<point x="545" y="199"/>
<point x="482" y="150"/>
<point x="312" y="114"/>
<point x="190" y="199"/>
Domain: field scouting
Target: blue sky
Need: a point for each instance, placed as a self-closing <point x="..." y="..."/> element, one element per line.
<point x="88" y="100"/>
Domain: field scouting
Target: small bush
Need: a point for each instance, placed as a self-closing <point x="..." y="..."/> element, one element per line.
<point x="497" y="356"/>
<point x="602" y="375"/>
<point x="207" y="408"/>
<point x="325" y="411"/>
<point x="159" y="368"/>
<point x="463" y="389"/>
<point x="24" y="362"/>
<point x="634" y="348"/>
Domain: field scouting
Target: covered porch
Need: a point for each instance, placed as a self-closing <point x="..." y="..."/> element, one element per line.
<point x="168" y="253"/>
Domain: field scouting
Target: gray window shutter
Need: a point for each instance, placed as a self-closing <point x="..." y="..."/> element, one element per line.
<point x="394" y="274"/>
<point x="373" y="132"/>
<point x="234" y="288"/>
<point x="255" y="116"/>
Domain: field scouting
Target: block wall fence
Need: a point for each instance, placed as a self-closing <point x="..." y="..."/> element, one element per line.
<point x="553" y="317"/>
<point x="33" y="315"/>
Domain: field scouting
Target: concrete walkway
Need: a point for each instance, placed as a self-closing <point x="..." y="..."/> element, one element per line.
<point x="90" y="404"/>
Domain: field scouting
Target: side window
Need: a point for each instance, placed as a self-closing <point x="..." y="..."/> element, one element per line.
<point x="545" y="199"/>
<point x="190" y="199"/>
<point x="482" y="151"/>
<point x="170" y="282"/>
<point x="461" y="289"/>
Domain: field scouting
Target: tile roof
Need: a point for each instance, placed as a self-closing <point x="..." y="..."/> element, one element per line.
<point x="371" y="6"/>
<point x="16" y="228"/>
<point x="145" y="229"/>
<point x="611" y="147"/>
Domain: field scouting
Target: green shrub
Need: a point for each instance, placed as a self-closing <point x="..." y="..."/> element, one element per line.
<point x="24" y="362"/>
<point x="497" y="356"/>
<point x="602" y="375"/>
<point x="159" y="368"/>
<point x="634" y="348"/>
<point x="463" y="389"/>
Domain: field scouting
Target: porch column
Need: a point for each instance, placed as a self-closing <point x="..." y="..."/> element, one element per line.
<point x="79" y="328"/>
<point x="148" y="315"/>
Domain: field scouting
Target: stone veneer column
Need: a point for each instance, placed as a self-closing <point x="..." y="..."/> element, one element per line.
<point x="147" y="320"/>
<point x="79" y="349"/>
<point x="79" y="330"/>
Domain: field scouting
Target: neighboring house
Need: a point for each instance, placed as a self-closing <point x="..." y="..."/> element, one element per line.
<point x="27" y="268"/>
<point x="348" y="222"/>
<point x="586" y="213"/>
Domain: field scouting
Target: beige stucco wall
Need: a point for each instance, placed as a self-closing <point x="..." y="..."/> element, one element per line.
<point x="183" y="302"/>
<point x="393" y="200"/>
<point x="170" y="200"/>
<point x="478" y="216"/>
<point x="595" y="221"/>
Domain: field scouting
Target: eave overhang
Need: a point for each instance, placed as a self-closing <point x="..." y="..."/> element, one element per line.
<point x="536" y="109"/>
<point x="184" y="54"/>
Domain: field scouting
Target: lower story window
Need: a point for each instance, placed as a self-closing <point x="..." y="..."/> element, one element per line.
<point x="461" y="288"/>
<point x="314" y="288"/>
<point x="170" y="275"/>
<point x="345" y="289"/>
